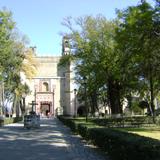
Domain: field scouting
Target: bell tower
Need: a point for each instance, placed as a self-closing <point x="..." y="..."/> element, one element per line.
<point x="68" y="82"/>
<point x="65" y="46"/>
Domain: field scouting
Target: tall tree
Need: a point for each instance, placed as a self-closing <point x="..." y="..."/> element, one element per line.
<point x="6" y="27"/>
<point x="14" y="58"/>
<point x="137" y="40"/>
<point x="96" y="58"/>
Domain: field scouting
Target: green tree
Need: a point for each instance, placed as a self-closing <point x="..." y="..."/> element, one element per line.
<point x="15" y="58"/>
<point x="139" y="45"/>
<point x="96" y="58"/>
<point x="6" y="27"/>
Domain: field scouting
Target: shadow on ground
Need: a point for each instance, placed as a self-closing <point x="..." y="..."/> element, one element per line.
<point x="35" y="144"/>
<point x="51" y="141"/>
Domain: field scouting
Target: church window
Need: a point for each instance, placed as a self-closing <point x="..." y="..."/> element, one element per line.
<point x="45" y="87"/>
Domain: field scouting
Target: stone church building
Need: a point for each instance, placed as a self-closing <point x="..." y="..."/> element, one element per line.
<point x="52" y="88"/>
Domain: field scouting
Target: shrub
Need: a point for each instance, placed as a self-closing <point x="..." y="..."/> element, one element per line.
<point x="68" y="121"/>
<point x="125" y="146"/>
<point x="83" y="130"/>
<point x="118" y="144"/>
<point x="1" y="122"/>
<point x="5" y="121"/>
<point x="124" y="121"/>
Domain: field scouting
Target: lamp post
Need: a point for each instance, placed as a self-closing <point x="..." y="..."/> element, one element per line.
<point x="85" y="94"/>
<point x="75" y="98"/>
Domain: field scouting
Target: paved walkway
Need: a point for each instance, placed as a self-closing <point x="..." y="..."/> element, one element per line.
<point x="53" y="141"/>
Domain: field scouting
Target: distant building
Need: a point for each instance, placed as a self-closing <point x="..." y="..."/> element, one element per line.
<point x="52" y="88"/>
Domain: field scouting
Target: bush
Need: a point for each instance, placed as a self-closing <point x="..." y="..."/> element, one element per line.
<point x="1" y="122"/>
<point x="135" y="108"/>
<point x="118" y="144"/>
<point x="125" y="146"/>
<point x="5" y="120"/>
<point x="68" y="121"/>
<point x="83" y="130"/>
<point x="157" y="119"/>
<point x="124" y="121"/>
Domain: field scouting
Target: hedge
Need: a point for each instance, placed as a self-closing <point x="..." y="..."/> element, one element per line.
<point x="125" y="146"/>
<point x="124" y="121"/>
<point x="10" y="120"/>
<point x="118" y="144"/>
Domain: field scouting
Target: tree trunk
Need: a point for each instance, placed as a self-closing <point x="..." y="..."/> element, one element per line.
<point x="17" y="109"/>
<point x="151" y="92"/>
<point x="22" y="105"/>
<point x="114" y="96"/>
<point x="14" y="104"/>
<point x="94" y="104"/>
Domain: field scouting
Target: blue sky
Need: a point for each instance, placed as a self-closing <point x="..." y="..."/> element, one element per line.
<point x="41" y="20"/>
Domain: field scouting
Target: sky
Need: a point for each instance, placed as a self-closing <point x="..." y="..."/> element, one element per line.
<point x="41" y="20"/>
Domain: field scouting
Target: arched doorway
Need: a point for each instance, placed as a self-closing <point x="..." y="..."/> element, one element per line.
<point x="81" y="111"/>
<point x="45" y="108"/>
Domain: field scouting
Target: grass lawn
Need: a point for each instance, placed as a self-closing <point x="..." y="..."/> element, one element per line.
<point x="152" y="132"/>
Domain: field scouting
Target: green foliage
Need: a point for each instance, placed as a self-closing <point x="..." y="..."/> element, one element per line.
<point x="158" y="119"/>
<point x="6" y="27"/>
<point x="135" y="108"/>
<point x="96" y="58"/>
<point x="119" y="58"/>
<point x="118" y="144"/>
<point x="13" y="58"/>
<point x="123" y="122"/>
<point x="65" y="60"/>
<point x="83" y="130"/>
<point x="121" y="145"/>
<point x="139" y="47"/>
<point x="68" y="122"/>
<point x="10" y="120"/>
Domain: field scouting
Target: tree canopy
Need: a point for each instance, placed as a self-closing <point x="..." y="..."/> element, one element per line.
<point x="15" y="57"/>
<point x="119" y="56"/>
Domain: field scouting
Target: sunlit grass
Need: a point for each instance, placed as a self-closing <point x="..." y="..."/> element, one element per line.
<point x="152" y="132"/>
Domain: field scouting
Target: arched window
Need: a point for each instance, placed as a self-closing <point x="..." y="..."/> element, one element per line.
<point x="45" y="87"/>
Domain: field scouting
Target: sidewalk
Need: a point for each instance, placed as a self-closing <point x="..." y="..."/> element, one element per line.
<point x="53" y="141"/>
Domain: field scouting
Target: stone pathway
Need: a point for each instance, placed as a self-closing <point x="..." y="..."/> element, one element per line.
<point x="53" y="141"/>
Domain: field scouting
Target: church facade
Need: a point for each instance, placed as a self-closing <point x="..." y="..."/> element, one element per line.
<point x="52" y="88"/>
